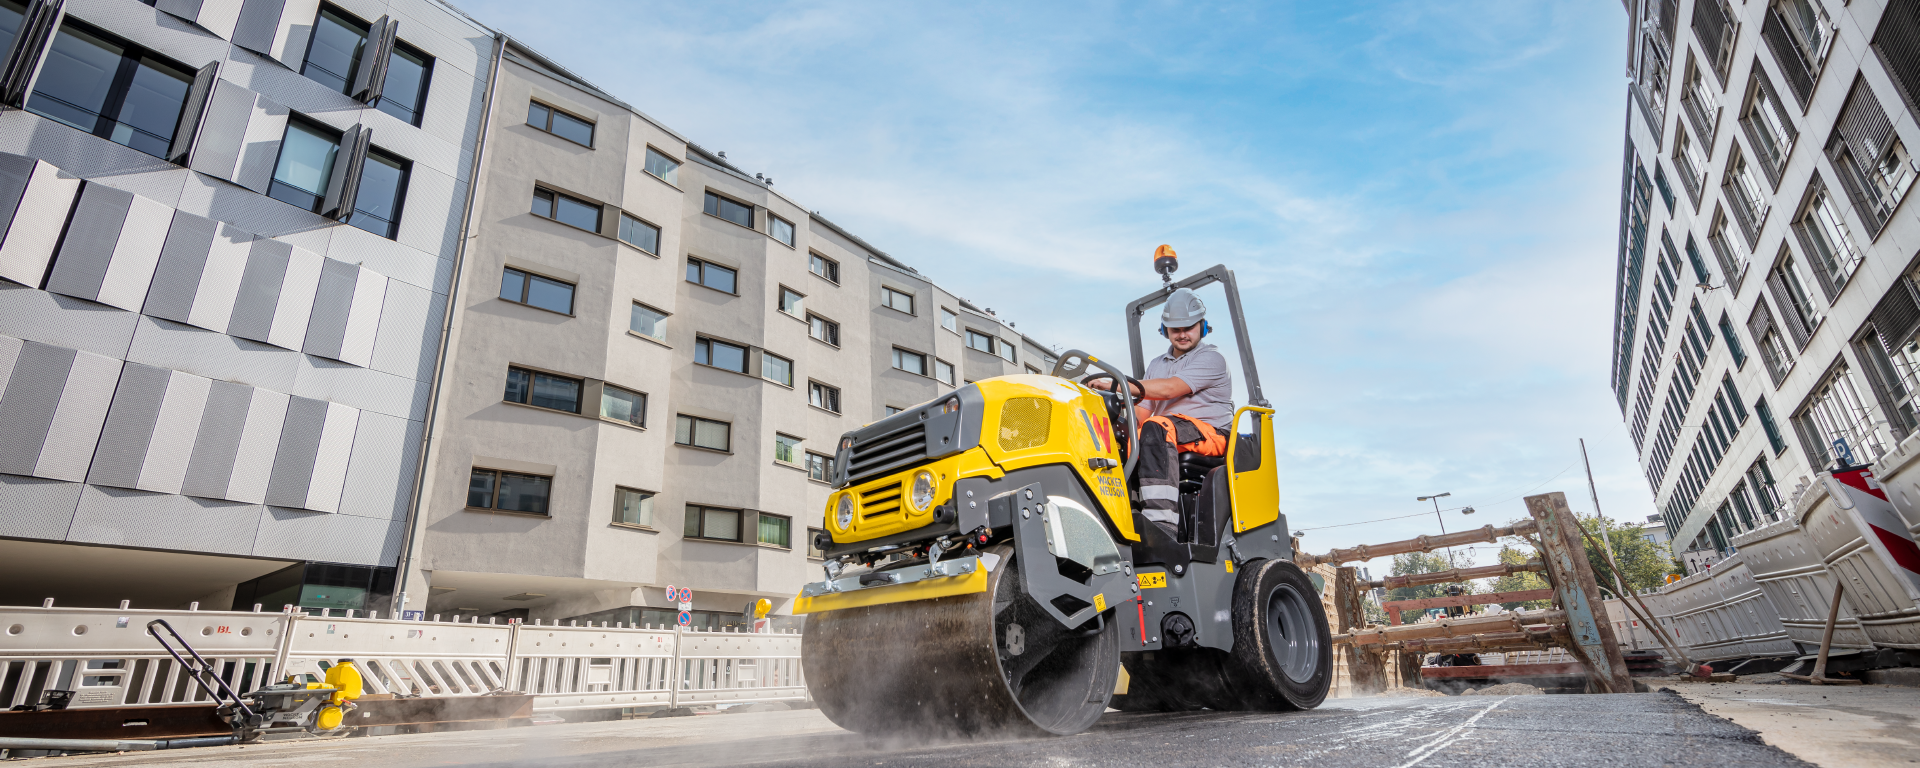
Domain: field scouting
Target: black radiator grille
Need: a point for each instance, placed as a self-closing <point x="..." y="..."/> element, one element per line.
<point x="888" y="453"/>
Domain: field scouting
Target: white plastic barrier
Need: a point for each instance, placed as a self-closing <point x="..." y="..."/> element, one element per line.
<point x="110" y="660"/>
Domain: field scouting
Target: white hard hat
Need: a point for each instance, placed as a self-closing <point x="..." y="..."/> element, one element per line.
<point x="1183" y="309"/>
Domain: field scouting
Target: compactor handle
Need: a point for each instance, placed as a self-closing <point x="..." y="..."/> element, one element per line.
<point x="1075" y="365"/>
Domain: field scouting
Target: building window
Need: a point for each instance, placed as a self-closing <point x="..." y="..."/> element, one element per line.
<point x="776" y="369"/>
<point x="711" y="275"/>
<point x="730" y="209"/>
<point x="822" y="396"/>
<point x="776" y="530"/>
<point x="1793" y="293"/>
<point x="110" y="89"/>
<point x="510" y="491"/>
<point x="949" y="320"/>
<point x="1691" y="159"/>
<point x="1733" y="342"/>
<point x="334" y="49"/>
<point x="572" y="211"/>
<point x="823" y="329"/>
<point x="824" y="267"/>
<point x="639" y="234"/>
<point x="543" y="390"/>
<point x="1767" y="125"/>
<point x="980" y="341"/>
<point x="911" y="362"/>
<point x="943" y="371"/>
<point x="1835" y="420"/>
<point x="307" y="155"/>
<point x="623" y="405"/>
<point x="819" y="467"/>
<point x="404" y="94"/>
<point x="703" y="433"/>
<point x="781" y="229"/>
<point x="1872" y="163"/>
<point x="893" y="409"/>
<point x="536" y="291"/>
<point x="896" y="300"/>
<point x="376" y="204"/>
<point x="1890" y="360"/>
<point x="632" y="507"/>
<point x="790" y="302"/>
<point x="720" y="354"/>
<point x="648" y="322"/>
<point x="1700" y="101"/>
<point x="813" y="550"/>
<point x="786" y="449"/>
<point x="1732" y="256"/>
<point x="1828" y="241"/>
<point x="712" y="523"/>
<point x="1767" y="424"/>
<point x="1773" y="352"/>
<point x="560" y="124"/>
<point x="1009" y="351"/>
<point x="665" y="168"/>
<point x="1745" y="195"/>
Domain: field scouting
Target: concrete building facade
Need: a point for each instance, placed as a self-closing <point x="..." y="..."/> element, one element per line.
<point x="229" y="233"/>
<point x="653" y="354"/>
<point x="1767" y="307"/>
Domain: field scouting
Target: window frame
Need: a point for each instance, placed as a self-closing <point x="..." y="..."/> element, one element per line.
<point x="644" y="402"/>
<point x="647" y="502"/>
<point x="494" y="493"/>
<point x="280" y="155"/>
<point x="950" y="320"/>
<point x="661" y="322"/>
<point x="746" y="354"/>
<point x="692" y="260"/>
<point x="359" y="53"/>
<point x="399" y="194"/>
<point x="952" y="373"/>
<point x="699" y="512"/>
<point x="991" y="341"/>
<point x="659" y="233"/>
<point x="763" y="369"/>
<point x="829" y="324"/>
<point x="647" y="165"/>
<point x="426" y="81"/>
<point x="599" y="216"/>
<point x="887" y="294"/>
<point x="832" y="266"/>
<point x="526" y="289"/>
<point x="593" y="126"/>
<point x="796" y="449"/>
<point x="826" y="466"/>
<point x="793" y="232"/>
<point x="533" y="374"/>
<point x="899" y="352"/>
<point x="712" y="207"/>
<point x="757" y="536"/>
<point x="828" y="392"/>
<point x="800" y="304"/>
<point x="693" y="431"/>
<point x="119" y="87"/>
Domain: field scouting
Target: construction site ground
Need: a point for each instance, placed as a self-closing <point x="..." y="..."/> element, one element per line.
<point x="1614" y="731"/>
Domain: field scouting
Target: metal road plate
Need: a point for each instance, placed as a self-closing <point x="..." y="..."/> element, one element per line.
<point x="958" y="566"/>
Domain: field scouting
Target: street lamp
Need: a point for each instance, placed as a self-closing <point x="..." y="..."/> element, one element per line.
<point x="1443" y="521"/>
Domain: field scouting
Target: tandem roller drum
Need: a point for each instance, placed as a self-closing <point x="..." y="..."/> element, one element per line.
<point x="986" y="663"/>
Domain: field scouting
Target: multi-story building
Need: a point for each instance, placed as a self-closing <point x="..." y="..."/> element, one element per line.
<point x="652" y="356"/>
<point x="1766" y="301"/>
<point x="230" y="228"/>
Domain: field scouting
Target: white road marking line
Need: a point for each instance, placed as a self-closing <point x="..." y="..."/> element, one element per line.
<point x="1426" y="750"/>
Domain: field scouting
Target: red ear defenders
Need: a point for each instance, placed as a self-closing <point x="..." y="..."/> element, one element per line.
<point x="1205" y="328"/>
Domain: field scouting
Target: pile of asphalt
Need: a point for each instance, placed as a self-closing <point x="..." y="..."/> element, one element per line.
<point x="1505" y="689"/>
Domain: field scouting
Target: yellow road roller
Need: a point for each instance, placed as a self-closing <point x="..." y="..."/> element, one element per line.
<point x="988" y="570"/>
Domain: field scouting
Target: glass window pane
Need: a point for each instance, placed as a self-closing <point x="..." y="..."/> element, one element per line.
<point x="543" y="203"/>
<point x="728" y="356"/>
<point x="721" y="524"/>
<point x="77" y="78"/>
<point x="518" y="383"/>
<point x="556" y="393"/>
<point x="513" y="285"/>
<point x="693" y="271"/>
<point x="524" y="493"/>
<point x="537" y="114"/>
<point x="577" y="213"/>
<point x="621" y="405"/>
<point x="639" y="234"/>
<point x="550" y="294"/>
<point x="151" y="110"/>
<point x="683" y="430"/>
<point x="648" y="322"/>
<point x="306" y="160"/>
<point x="572" y="128"/>
<point x="480" y="489"/>
<point x="406" y="88"/>
<point x="781" y="229"/>
<point x="633" y="507"/>
<point x="776" y="369"/>
<point x="943" y="371"/>
<point x="786" y="448"/>
<point x="333" y="50"/>
<point x="10" y="15"/>
<point x="790" y="302"/>
<point x="773" y="530"/>
<point x="692" y="527"/>
<point x="710" y="434"/>
<point x="719" y="278"/>
<point x="376" y="207"/>
<point x="662" y="166"/>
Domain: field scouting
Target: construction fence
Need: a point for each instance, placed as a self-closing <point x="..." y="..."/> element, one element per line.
<point x="108" y="658"/>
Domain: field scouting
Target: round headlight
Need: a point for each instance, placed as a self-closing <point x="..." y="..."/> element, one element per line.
<point x="844" y="516"/>
<point x="923" y="487"/>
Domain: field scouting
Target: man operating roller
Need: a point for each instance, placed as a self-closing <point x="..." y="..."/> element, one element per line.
<point x="1188" y="406"/>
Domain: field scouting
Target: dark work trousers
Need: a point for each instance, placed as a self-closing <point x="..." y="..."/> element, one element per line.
<point x="1159" y="466"/>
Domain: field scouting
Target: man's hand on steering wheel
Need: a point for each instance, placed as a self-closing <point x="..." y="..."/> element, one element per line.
<point x="1105" y="384"/>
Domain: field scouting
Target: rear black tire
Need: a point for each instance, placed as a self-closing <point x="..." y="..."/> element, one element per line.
<point x="1282" y="648"/>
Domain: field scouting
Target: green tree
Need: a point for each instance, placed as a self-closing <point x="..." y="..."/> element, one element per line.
<point x="1520" y="582"/>
<point x="1420" y="562"/>
<point x="1643" y="563"/>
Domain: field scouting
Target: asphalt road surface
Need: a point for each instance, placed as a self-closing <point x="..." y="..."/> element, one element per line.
<point x="1615" y="731"/>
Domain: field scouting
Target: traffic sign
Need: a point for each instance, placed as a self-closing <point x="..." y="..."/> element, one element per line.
<point x="685" y="618"/>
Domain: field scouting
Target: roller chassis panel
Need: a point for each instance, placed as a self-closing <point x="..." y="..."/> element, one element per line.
<point x="1204" y="592"/>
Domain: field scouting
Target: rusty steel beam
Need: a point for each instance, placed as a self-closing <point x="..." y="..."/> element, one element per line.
<point x="1506" y="622"/>
<point x="1457" y="574"/>
<point x="1539" y="637"/>
<point x="1577" y="593"/>
<point x="1394" y="607"/>
<point x="1416" y="544"/>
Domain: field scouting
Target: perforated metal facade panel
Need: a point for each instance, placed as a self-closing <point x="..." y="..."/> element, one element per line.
<point x="409" y="325"/>
<point x="129" y="428"/>
<point x="221" y="425"/>
<point x="259" y="295"/>
<point x="88" y="247"/>
<point x="293" y="533"/>
<point x="299" y="445"/>
<point x="9" y="352"/>
<point x="36" y="225"/>
<point x="135" y="254"/>
<point x="258" y="25"/>
<point x="182" y="259"/>
<point x="64" y="321"/>
<point x="27" y="407"/>
<point x="15" y="171"/>
<point x="220" y="280"/>
<point x="363" y="319"/>
<point x="174" y="432"/>
<point x="259" y="443"/>
<point x="76" y="425"/>
<point x="332" y="305"/>
<point x="380" y="473"/>
<point x="297" y="291"/>
<point x="37" y="508"/>
<point x="330" y="459"/>
<point x="130" y="518"/>
<point x="260" y="146"/>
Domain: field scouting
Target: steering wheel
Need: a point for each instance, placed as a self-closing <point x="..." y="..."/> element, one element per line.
<point x="1075" y="365"/>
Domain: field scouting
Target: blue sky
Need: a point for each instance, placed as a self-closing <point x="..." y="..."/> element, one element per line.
<point x="1419" y="198"/>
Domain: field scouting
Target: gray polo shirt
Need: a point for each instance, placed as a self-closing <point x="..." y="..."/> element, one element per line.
<point x="1203" y="369"/>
